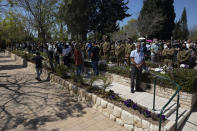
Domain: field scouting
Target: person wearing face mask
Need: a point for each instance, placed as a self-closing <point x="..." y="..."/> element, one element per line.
<point x="137" y="62"/>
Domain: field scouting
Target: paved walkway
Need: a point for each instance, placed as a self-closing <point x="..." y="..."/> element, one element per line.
<point x="27" y="104"/>
<point x="191" y="122"/>
<point x="142" y="98"/>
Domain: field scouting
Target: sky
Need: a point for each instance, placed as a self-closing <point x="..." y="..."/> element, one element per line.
<point x="190" y="5"/>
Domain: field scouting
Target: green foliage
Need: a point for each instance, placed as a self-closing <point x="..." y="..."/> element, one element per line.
<point x="23" y="54"/>
<point x="100" y="17"/>
<point x="11" y="26"/>
<point x="186" y="78"/>
<point x="61" y="71"/>
<point x="43" y="54"/>
<point x="78" y="79"/>
<point x="156" y="19"/>
<point x="104" y="79"/>
<point x="128" y="31"/>
<point x="123" y="71"/>
<point x="103" y="67"/>
<point x="181" y="31"/>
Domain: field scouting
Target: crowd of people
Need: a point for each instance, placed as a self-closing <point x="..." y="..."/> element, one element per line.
<point x="133" y="53"/>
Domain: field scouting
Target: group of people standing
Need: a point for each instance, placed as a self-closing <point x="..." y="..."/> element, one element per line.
<point x="128" y="52"/>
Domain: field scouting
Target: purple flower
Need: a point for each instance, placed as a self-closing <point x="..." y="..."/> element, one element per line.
<point x="128" y="103"/>
<point x="163" y="117"/>
<point x="134" y="106"/>
<point x="113" y="97"/>
<point x="147" y="113"/>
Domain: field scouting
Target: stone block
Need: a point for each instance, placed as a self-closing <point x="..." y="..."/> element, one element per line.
<point x="154" y="127"/>
<point x="112" y="117"/>
<point x="138" y="129"/>
<point x="98" y="101"/>
<point x="82" y="93"/>
<point x="137" y="121"/>
<point x="94" y="97"/>
<point x="75" y="89"/>
<point x="127" y="117"/>
<point x="119" y="121"/>
<point x="104" y="104"/>
<point x="110" y="107"/>
<point x="88" y="97"/>
<point x="145" y="124"/>
<point x="129" y="127"/>
<point x="117" y="111"/>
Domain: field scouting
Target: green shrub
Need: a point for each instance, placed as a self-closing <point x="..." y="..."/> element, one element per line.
<point x="61" y="71"/>
<point x="44" y="54"/>
<point x="104" y="79"/>
<point x="78" y="79"/>
<point x="103" y="67"/>
<point x="123" y="71"/>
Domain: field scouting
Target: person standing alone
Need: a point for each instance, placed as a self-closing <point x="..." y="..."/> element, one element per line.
<point x="38" y="60"/>
<point x="137" y="61"/>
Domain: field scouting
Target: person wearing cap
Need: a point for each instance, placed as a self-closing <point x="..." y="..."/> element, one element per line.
<point x="137" y="62"/>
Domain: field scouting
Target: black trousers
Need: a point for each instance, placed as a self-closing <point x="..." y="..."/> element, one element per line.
<point x="135" y="74"/>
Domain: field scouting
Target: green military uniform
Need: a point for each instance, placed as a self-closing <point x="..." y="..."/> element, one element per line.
<point x="184" y="56"/>
<point x="106" y="50"/>
<point x="118" y="54"/>
<point x="128" y="49"/>
<point x="168" y="55"/>
<point x="112" y="50"/>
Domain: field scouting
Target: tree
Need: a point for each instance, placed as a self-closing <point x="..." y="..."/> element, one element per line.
<point x="75" y="14"/>
<point x="11" y="26"/>
<point x="98" y="16"/>
<point x="156" y="19"/>
<point x="193" y="33"/>
<point x="107" y="13"/>
<point x="183" y="26"/>
<point x="41" y="15"/>
<point x="128" y="31"/>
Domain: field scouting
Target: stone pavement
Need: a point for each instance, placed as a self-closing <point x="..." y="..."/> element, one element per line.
<point x="27" y="104"/>
<point x="191" y="122"/>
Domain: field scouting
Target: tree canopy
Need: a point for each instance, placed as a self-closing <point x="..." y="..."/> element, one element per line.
<point x="156" y="19"/>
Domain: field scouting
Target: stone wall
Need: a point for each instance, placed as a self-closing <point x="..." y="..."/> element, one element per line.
<point x="187" y="100"/>
<point x="124" y="118"/>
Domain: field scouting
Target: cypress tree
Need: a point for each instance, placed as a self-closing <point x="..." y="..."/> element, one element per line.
<point x="156" y="19"/>
<point x="183" y="26"/>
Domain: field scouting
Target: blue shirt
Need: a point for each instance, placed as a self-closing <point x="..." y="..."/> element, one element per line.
<point x="138" y="56"/>
<point x="155" y="48"/>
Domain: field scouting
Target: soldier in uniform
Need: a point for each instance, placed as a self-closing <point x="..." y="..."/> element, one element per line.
<point x="106" y="50"/>
<point x="168" y="54"/>
<point x="183" y="55"/>
<point x="117" y="53"/>
<point x="128" y="48"/>
<point x="122" y="52"/>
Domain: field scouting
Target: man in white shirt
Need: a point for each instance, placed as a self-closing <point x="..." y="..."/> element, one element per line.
<point x="137" y="61"/>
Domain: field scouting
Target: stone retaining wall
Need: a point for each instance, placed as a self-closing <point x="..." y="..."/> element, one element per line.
<point x="187" y="100"/>
<point x="128" y="120"/>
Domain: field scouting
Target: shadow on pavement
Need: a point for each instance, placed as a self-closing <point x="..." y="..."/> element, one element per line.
<point x="31" y="104"/>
